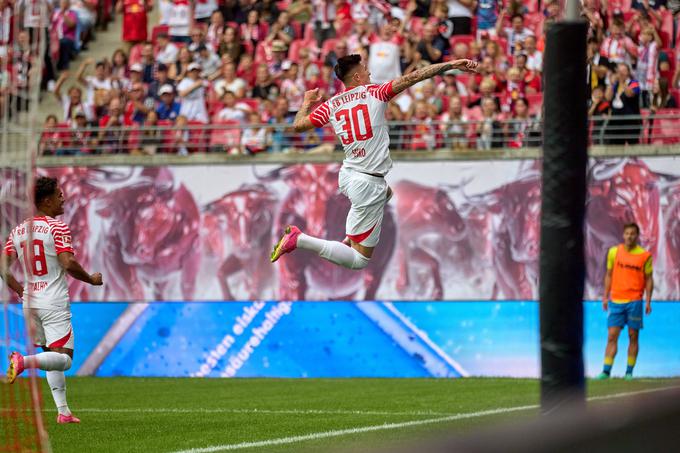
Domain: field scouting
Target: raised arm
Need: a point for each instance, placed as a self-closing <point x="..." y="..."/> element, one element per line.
<point x="302" y="120"/>
<point x="410" y="79"/>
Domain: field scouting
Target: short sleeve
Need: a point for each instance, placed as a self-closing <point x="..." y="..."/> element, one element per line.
<point x="383" y="92"/>
<point x="62" y="237"/>
<point x="611" y="257"/>
<point x="320" y="115"/>
<point x="10" y="250"/>
<point x="648" y="266"/>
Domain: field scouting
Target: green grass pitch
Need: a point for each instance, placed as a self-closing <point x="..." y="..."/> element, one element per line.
<point x="269" y="415"/>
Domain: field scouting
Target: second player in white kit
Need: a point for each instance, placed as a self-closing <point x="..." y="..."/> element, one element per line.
<point x="358" y="118"/>
<point x="42" y="245"/>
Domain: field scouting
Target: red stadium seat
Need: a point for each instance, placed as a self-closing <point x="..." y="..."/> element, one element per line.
<point x="294" y="49"/>
<point x="328" y="45"/>
<point x="225" y="137"/>
<point x="665" y="131"/>
<point x="199" y="137"/>
<point x="465" y="39"/>
<point x="135" y="54"/>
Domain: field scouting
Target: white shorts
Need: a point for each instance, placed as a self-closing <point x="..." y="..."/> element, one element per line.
<point x="51" y="328"/>
<point x="368" y="195"/>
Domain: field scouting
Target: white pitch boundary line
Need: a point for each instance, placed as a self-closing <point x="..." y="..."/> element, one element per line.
<point x="388" y="426"/>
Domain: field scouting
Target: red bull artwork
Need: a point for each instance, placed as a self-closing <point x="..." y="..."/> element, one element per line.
<point x="452" y="231"/>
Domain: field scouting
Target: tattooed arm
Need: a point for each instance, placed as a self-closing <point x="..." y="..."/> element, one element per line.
<point x="302" y="121"/>
<point x="414" y="77"/>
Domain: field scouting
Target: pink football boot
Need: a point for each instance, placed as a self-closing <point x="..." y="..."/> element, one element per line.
<point x="287" y="243"/>
<point x="16" y="366"/>
<point x="63" y="419"/>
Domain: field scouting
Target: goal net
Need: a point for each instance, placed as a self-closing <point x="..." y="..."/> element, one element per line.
<point x="22" y="51"/>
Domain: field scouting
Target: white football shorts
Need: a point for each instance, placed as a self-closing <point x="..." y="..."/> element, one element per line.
<point x="51" y="328"/>
<point x="368" y="195"/>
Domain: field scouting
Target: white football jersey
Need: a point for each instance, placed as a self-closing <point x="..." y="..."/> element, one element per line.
<point x="45" y="284"/>
<point x="358" y="118"/>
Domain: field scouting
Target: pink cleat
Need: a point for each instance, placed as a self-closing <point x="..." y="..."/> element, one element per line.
<point x="287" y="243"/>
<point x="16" y="366"/>
<point x="63" y="419"/>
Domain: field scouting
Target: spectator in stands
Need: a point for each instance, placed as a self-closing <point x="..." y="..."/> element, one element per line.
<point x="167" y="52"/>
<point x="359" y="38"/>
<point x="191" y="90"/>
<point x="460" y="50"/>
<point x="231" y="110"/>
<point x="534" y="56"/>
<point x="647" y="62"/>
<point x="323" y="19"/>
<point x="292" y="87"/>
<point x="51" y="138"/>
<point x="268" y="10"/>
<point x="281" y="134"/>
<point x="150" y="138"/>
<point x="444" y="24"/>
<point x="487" y="15"/>
<point x="308" y="68"/>
<point x="433" y="47"/>
<point x="229" y="82"/>
<point x="591" y="11"/>
<point x="599" y="111"/>
<point x="461" y="13"/>
<point x="423" y="133"/>
<point x="65" y="21"/>
<point x="454" y="124"/>
<point x="97" y="86"/>
<point x="532" y="79"/>
<point x="490" y="129"/>
<point x="180" y="68"/>
<point x="624" y="94"/>
<point x="432" y="98"/>
<point x="111" y="138"/>
<point x="180" y="137"/>
<point x="81" y="139"/>
<point x="253" y="30"/>
<point x="451" y="86"/>
<point x="661" y="96"/>
<point x="255" y="138"/>
<point x="264" y="87"/>
<point x="137" y="106"/>
<point x="215" y="31"/>
<point x="6" y="13"/>
<point x="279" y="50"/>
<point x="515" y="88"/>
<point x="86" y="10"/>
<point x="339" y="51"/>
<point x="4" y="85"/>
<point x="134" y="20"/>
<point x="208" y="60"/>
<point x="168" y="108"/>
<point x="230" y="44"/>
<point x="598" y="65"/>
<point x="282" y="29"/>
<point x="617" y="47"/>
<point x="203" y="10"/>
<point x="179" y="19"/>
<point x="197" y="38"/>
<point x="136" y="75"/>
<point x="516" y="33"/>
<point x="524" y="129"/>
<point x="119" y="65"/>
<point x="71" y="101"/>
<point x="148" y="61"/>
<point x="157" y="83"/>
<point x="383" y="60"/>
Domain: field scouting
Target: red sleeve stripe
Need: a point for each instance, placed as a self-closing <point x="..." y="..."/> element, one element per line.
<point x="382" y="92"/>
<point x="9" y="247"/>
<point x="320" y="115"/>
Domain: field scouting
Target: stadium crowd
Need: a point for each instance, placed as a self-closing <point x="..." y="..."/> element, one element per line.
<point x="239" y="63"/>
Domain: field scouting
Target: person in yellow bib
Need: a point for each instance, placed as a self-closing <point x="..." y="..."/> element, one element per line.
<point x="628" y="278"/>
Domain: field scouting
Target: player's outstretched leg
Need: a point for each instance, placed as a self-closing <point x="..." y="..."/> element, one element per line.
<point x="57" y="382"/>
<point x="16" y="367"/>
<point x="333" y="251"/>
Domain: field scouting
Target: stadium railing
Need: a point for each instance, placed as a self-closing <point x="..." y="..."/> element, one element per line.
<point x="233" y="138"/>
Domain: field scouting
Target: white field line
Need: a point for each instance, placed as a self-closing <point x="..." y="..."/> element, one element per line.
<point x="389" y="426"/>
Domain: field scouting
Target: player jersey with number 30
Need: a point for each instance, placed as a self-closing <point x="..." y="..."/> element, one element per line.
<point x="44" y="278"/>
<point x="358" y="118"/>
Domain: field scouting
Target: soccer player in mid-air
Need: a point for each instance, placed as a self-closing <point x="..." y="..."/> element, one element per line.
<point x="628" y="278"/>
<point x="358" y="118"/>
<point x="45" y="261"/>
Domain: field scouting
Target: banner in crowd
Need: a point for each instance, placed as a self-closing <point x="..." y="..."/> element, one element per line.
<point x="454" y="230"/>
<point x="341" y="339"/>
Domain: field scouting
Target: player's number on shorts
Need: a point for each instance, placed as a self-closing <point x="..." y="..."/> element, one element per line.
<point x="352" y="124"/>
<point x="39" y="262"/>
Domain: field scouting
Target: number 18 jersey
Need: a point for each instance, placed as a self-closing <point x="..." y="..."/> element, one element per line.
<point x="45" y="284"/>
<point x="358" y="118"/>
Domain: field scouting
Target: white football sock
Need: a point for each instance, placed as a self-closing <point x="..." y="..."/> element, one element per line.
<point x="48" y="361"/>
<point x="334" y="251"/>
<point x="57" y="382"/>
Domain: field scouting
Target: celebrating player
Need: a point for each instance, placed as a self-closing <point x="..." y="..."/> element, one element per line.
<point x="629" y="276"/>
<point x="45" y="262"/>
<point x="358" y="117"/>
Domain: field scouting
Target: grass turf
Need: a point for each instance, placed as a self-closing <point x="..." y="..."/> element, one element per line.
<point x="165" y="415"/>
